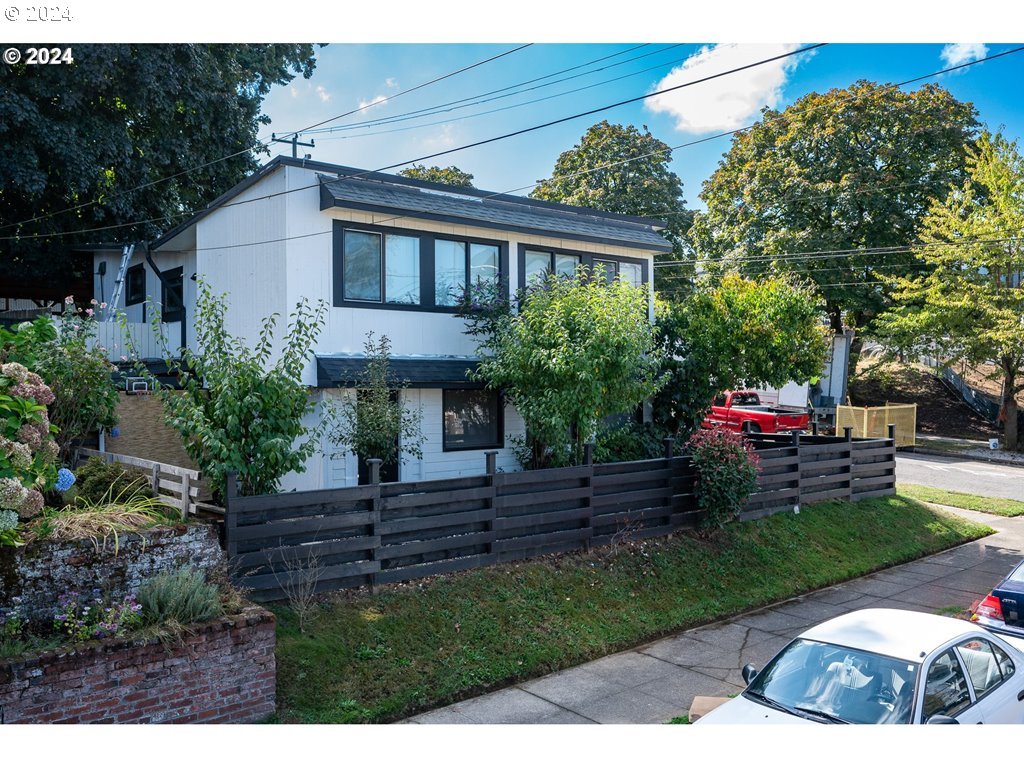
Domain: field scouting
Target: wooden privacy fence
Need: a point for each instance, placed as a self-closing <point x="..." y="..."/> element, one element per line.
<point x="176" y="486"/>
<point x="386" y="532"/>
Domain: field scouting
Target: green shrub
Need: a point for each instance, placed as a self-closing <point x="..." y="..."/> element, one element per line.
<point x="727" y="470"/>
<point x="179" y="597"/>
<point x="98" y="482"/>
<point x="630" y="442"/>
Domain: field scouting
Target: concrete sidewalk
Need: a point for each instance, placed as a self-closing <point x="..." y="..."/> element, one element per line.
<point x="657" y="682"/>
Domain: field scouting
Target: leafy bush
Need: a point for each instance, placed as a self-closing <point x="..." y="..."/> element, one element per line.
<point x="180" y="597"/>
<point x="727" y="470"/>
<point x="98" y="481"/>
<point x="78" y="372"/>
<point x="630" y="442"/>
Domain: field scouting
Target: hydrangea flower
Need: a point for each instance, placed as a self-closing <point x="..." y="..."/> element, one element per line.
<point x="65" y="479"/>
<point x="15" y="371"/>
<point x="33" y="503"/>
<point x="8" y="519"/>
<point x="12" y="493"/>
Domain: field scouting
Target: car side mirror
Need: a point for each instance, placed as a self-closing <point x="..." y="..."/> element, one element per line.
<point x="749" y="673"/>
<point x="942" y="720"/>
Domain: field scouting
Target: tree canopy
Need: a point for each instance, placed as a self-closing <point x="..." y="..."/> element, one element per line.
<point x="969" y="303"/>
<point x="853" y="168"/>
<point x="578" y="350"/>
<point x="109" y="126"/>
<point x="452" y="175"/>
<point x="621" y="169"/>
<point x="735" y="332"/>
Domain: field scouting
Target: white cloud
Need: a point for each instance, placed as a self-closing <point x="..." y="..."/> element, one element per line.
<point x="728" y="102"/>
<point x="445" y="137"/>
<point x="323" y="93"/>
<point x="955" y="54"/>
<point x="391" y="82"/>
<point x="376" y="101"/>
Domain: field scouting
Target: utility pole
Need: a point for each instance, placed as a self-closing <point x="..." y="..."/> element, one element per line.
<point x="294" y="141"/>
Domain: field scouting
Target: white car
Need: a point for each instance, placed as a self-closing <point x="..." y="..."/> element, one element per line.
<point x="885" y="666"/>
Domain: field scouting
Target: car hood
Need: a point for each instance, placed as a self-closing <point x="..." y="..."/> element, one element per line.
<point x="743" y="711"/>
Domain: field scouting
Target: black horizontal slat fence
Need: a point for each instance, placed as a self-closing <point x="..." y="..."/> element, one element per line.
<point x="317" y="541"/>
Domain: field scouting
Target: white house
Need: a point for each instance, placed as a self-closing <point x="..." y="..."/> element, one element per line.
<point x="386" y="253"/>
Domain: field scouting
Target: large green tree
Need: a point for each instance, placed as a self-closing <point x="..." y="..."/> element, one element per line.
<point x="970" y="302"/>
<point x="576" y="351"/>
<point x="733" y="332"/>
<point x="114" y="123"/>
<point x="621" y="169"/>
<point x="853" y="168"/>
<point x="452" y="175"/>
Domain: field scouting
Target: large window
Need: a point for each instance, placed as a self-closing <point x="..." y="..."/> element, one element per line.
<point x="385" y="267"/>
<point x="535" y="263"/>
<point x="472" y="418"/>
<point x="381" y="268"/>
<point x="461" y="263"/>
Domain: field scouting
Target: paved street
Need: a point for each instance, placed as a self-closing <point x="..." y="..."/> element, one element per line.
<point x="956" y="474"/>
<point x="656" y="682"/>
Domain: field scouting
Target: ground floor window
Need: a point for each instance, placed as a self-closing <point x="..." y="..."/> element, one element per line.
<point x="472" y="419"/>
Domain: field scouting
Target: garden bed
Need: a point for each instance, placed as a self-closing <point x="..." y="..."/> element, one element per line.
<point x="221" y="671"/>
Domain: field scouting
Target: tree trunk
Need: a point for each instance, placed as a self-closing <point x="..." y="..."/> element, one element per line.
<point x="1009" y="408"/>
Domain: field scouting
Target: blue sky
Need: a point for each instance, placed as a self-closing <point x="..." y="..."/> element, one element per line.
<point x="349" y="75"/>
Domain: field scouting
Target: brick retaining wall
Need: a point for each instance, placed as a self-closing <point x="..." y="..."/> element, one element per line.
<point x="220" y="672"/>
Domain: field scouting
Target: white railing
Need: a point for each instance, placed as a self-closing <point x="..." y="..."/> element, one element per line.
<point x="143" y="341"/>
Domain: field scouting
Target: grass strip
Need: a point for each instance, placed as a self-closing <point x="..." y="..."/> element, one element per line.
<point x="380" y="658"/>
<point x="989" y="504"/>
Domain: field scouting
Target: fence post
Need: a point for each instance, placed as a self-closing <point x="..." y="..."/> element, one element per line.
<point x="892" y="434"/>
<point x="848" y="436"/>
<point x="588" y="500"/>
<point x="814" y="427"/>
<point x="491" y="464"/>
<point x="374" y="465"/>
<point x="230" y="513"/>
<point x="800" y="471"/>
<point x="669" y="443"/>
<point x="186" y="501"/>
<point x="154" y="479"/>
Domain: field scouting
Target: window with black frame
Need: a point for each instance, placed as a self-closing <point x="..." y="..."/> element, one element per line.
<point x="381" y="268"/>
<point x="471" y="419"/>
<point x="135" y="285"/>
<point x="172" y="296"/>
<point x="458" y="263"/>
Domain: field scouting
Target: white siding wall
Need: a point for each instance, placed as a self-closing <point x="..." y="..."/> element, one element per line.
<point x="240" y="250"/>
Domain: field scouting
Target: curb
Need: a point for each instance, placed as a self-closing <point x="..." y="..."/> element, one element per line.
<point x="934" y="452"/>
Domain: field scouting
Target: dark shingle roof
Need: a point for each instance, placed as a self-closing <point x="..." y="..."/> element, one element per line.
<point x="473" y="207"/>
<point x="420" y="372"/>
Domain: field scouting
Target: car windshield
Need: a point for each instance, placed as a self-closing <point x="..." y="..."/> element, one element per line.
<point x="831" y="683"/>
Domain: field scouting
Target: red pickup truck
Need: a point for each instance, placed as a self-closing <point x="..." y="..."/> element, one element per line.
<point x="743" y="412"/>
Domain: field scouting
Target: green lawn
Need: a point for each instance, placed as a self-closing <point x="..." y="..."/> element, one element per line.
<point x="994" y="506"/>
<point x="408" y="649"/>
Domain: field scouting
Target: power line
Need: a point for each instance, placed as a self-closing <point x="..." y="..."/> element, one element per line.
<point x="243" y="151"/>
<point x="427" y="111"/>
<point x="496" y="110"/>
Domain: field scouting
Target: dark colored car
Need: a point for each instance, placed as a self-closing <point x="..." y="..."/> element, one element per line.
<point x="1003" y="609"/>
